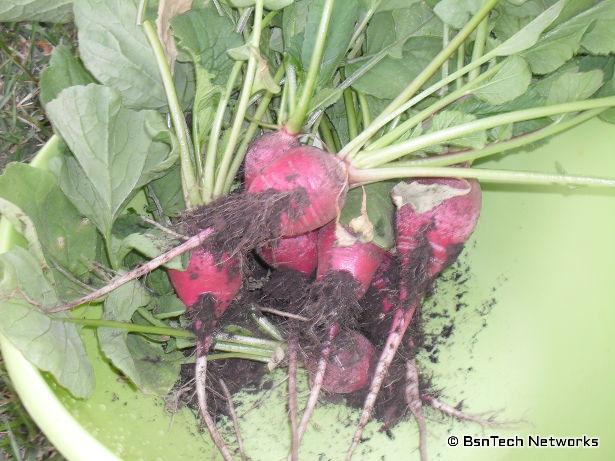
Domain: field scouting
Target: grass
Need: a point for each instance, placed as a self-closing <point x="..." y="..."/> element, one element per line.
<point x="25" y="49"/>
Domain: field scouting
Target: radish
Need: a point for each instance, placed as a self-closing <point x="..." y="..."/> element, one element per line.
<point x="298" y="253"/>
<point x="265" y="150"/>
<point x="348" y="366"/>
<point x="435" y="217"/>
<point x="347" y="263"/>
<point x="317" y="183"/>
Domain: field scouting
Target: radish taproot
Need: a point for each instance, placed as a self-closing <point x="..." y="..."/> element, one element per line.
<point x="434" y="218"/>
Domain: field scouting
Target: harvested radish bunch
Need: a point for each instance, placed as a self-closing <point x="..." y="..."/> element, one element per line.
<point x="351" y="251"/>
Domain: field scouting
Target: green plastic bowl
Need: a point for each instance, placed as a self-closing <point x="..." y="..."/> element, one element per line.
<point x="544" y="356"/>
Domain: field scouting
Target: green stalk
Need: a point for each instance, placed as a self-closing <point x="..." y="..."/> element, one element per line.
<point x="230" y="347"/>
<point x="230" y="355"/>
<point x="216" y="130"/>
<point x="242" y="105"/>
<point x="247" y="341"/>
<point x="461" y="55"/>
<point x="367" y="176"/>
<point x="134" y="328"/>
<point x="266" y="326"/>
<point x="355" y="44"/>
<point x="479" y="46"/>
<point x="291" y="84"/>
<point x="396" y="151"/>
<point x="367" y="116"/>
<point x="297" y="117"/>
<point x="498" y="147"/>
<point x="190" y="188"/>
<point x="353" y="146"/>
<point x="147" y="315"/>
<point x="351" y="114"/>
<point x="396" y="133"/>
<point x="445" y="68"/>
<point x="326" y="133"/>
<point x="260" y="112"/>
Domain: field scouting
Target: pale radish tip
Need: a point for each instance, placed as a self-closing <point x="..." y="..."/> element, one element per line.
<point x="425" y="197"/>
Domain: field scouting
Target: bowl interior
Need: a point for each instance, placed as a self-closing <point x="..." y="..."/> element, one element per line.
<point x="533" y="321"/>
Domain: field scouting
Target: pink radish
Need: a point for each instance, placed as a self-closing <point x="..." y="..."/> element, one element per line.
<point x="348" y="367"/>
<point x="265" y="150"/>
<point x="298" y="253"/>
<point x="435" y="217"/>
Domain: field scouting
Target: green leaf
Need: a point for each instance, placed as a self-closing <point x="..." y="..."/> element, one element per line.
<point x="418" y="52"/>
<point x="510" y="82"/>
<point x="206" y="37"/>
<point x="591" y="29"/>
<point x="574" y="86"/>
<point x="145" y="363"/>
<point x="529" y="34"/>
<point x="47" y="216"/>
<point x="389" y="27"/>
<point x="300" y="30"/>
<point x="168" y="192"/>
<point x="48" y="341"/>
<point x="379" y="207"/>
<point x="65" y="70"/>
<point x="117" y="150"/>
<point x="150" y="244"/>
<point x="117" y="53"/>
<point x="36" y="10"/>
<point x="449" y="118"/>
<point x="456" y="13"/>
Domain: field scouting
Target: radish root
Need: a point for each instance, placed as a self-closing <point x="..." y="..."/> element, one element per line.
<point x="233" y="415"/>
<point x="201" y="392"/>
<point x="413" y="400"/>
<point x="292" y="400"/>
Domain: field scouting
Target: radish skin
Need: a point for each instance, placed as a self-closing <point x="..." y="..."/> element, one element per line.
<point x="265" y="150"/>
<point x="321" y="179"/>
<point x="298" y="253"/>
<point x="360" y="259"/>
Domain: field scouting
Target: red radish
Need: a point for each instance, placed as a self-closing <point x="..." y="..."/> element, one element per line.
<point x="384" y="283"/>
<point x="346" y="266"/>
<point x="319" y="183"/>
<point x="435" y="217"/>
<point x="266" y="149"/>
<point x="340" y="250"/>
<point x="217" y="276"/>
<point x="298" y="253"/>
<point x="348" y="366"/>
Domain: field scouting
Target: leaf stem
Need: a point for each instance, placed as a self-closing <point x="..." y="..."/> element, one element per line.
<point x="297" y="117"/>
<point x="134" y="328"/>
<point x="353" y="146"/>
<point x="351" y="114"/>
<point x="461" y="55"/>
<point x="403" y="128"/>
<point x="396" y="151"/>
<point x="250" y="132"/>
<point x="479" y="46"/>
<point x="498" y="147"/>
<point x="365" y="113"/>
<point x="216" y="129"/>
<point x="242" y="105"/>
<point x="367" y="176"/>
<point x="189" y="182"/>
